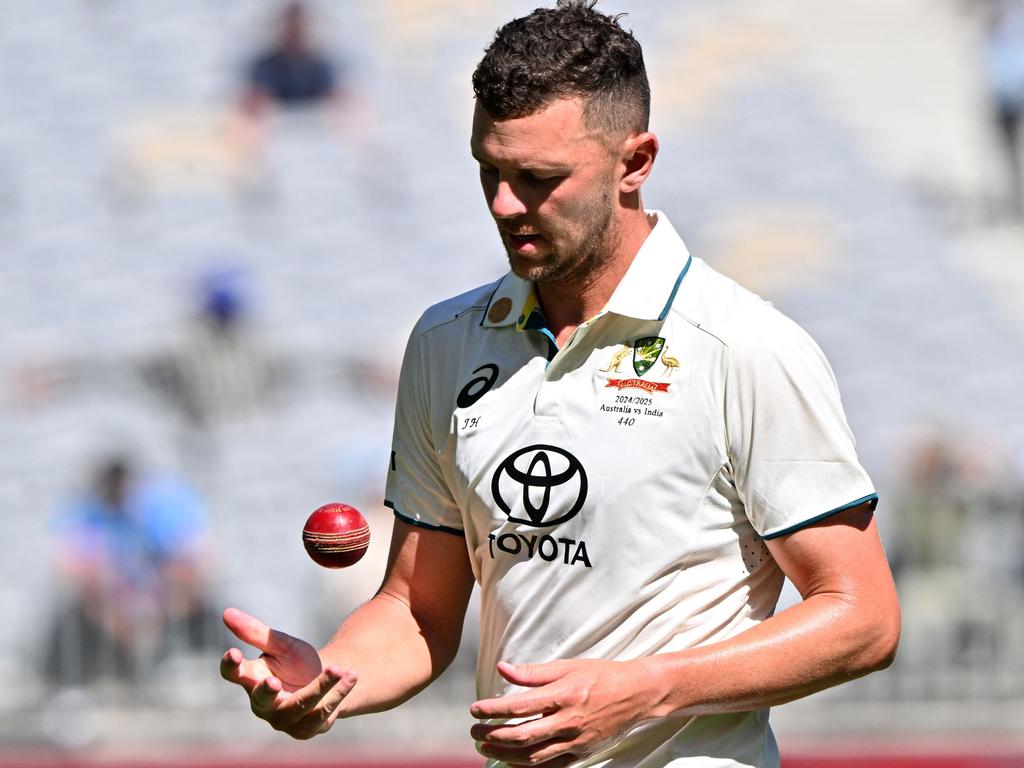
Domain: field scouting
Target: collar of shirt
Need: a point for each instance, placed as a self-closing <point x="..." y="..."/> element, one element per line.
<point x="646" y="291"/>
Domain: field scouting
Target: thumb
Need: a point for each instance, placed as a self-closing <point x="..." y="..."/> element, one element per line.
<point x="251" y="630"/>
<point x="532" y="675"/>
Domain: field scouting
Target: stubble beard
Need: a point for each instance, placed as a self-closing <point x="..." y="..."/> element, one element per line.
<point x="596" y="248"/>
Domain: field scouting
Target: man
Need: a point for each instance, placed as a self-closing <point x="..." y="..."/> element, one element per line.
<point x="629" y="515"/>
<point x="293" y="73"/>
<point x="1003" y="49"/>
<point x="130" y="553"/>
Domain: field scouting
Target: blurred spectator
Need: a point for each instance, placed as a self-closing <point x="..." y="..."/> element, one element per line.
<point x="1004" y="70"/>
<point x="292" y="73"/>
<point x="130" y="556"/>
<point x="218" y="371"/>
<point x="956" y="549"/>
<point x="180" y="148"/>
<point x="932" y="511"/>
<point x="219" y="368"/>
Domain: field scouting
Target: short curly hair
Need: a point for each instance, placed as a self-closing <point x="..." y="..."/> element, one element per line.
<point x="570" y="51"/>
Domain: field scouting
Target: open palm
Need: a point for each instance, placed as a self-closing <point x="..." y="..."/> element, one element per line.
<point x="287" y="684"/>
<point x="292" y="661"/>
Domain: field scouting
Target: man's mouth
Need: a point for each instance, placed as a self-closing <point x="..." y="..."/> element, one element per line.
<point x="522" y="240"/>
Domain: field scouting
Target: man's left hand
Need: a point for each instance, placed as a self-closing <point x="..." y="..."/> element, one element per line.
<point x="577" y="708"/>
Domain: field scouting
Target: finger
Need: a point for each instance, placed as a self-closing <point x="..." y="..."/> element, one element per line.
<point x="529" y="733"/>
<point x="332" y="701"/>
<point x="251" y="630"/>
<point x="556" y="754"/>
<point x="531" y="756"/>
<point x="322" y="716"/>
<point x="267" y="695"/>
<point x="533" y="675"/>
<point x="562" y="761"/>
<point x="309" y="696"/>
<point x="537" y="702"/>
<point x="231" y="665"/>
<point x="235" y="668"/>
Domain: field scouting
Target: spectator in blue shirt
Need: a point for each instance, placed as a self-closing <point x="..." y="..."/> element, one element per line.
<point x="129" y="551"/>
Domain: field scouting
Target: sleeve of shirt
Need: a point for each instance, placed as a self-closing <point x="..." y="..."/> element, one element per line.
<point x="416" y="488"/>
<point x="793" y="457"/>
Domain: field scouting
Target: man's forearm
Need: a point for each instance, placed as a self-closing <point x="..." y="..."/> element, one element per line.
<point x="820" y="642"/>
<point x="394" y="654"/>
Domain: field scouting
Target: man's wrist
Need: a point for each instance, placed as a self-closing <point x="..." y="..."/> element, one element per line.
<point x="657" y="689"/>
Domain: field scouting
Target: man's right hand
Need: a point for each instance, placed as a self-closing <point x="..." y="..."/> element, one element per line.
<point x="288" y="685"/>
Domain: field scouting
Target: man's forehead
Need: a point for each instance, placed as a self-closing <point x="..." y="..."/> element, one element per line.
<point x="551" y="130"/>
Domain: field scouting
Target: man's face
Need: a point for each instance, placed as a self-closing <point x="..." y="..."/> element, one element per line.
<point x="551" y="187"/>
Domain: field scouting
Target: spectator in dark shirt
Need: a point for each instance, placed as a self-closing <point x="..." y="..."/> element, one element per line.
<point x="292" y="73"/>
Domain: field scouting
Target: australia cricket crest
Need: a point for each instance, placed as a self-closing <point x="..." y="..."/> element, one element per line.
<point x="646" y="352"/>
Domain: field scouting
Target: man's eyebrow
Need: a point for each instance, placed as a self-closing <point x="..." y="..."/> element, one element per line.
<point x="539" y="165"/>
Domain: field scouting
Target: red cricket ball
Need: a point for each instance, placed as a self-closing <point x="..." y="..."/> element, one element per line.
<point x="336" y="535"/>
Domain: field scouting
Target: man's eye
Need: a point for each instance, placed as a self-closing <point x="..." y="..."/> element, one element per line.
<point x="488" y="170"/>
<point x="541" y="178"/>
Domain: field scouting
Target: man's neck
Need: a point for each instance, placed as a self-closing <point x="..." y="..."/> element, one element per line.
<point x="570" y="303"/>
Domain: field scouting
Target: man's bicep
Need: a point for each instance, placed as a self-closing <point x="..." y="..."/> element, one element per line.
<point x="841" y="556"/>
<point x="839" y="565"/>
<point x="429" y="571"/>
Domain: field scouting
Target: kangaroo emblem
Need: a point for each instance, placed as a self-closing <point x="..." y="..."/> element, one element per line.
<point x="670" y="363"/>
<point x="617" y="359"/>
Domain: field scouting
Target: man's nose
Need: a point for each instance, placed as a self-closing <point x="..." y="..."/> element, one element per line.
<point x="506" y="203"/>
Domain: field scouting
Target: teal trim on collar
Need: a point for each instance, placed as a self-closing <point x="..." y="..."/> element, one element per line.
<point x="872" y="497"/>
<point x="675" y="288"/>
<point x="552" y="344"/>
<point x="652" y="279"/>
<point x="536" y="321"/>
<point x="662" y="262"/>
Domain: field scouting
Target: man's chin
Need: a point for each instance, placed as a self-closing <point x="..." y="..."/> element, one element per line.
<point x="532" y="269"/>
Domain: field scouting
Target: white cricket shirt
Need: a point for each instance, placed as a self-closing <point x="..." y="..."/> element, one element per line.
<point x="615" y="494"/>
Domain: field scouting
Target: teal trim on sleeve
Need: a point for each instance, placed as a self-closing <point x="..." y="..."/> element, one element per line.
<point x="872" y="497"/>
<point x="420" y="524"/>
<point x="675" y="288"/>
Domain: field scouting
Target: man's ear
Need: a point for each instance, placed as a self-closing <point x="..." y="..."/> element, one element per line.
<point x="638" y="154"/>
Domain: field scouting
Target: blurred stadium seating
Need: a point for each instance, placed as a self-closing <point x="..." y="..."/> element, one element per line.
<point x="833" y="157"/>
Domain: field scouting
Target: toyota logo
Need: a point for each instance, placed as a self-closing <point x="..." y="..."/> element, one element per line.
<point x="529" y="474"/>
